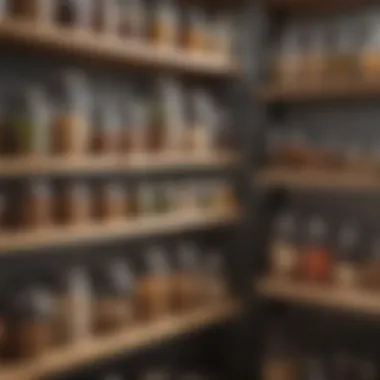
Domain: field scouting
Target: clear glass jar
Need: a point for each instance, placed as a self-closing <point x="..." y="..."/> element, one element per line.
<point x="107" y="17"/>
<point x="76" y="14"/>
<point x="133" y="19"/>
<point x="345" y="268"/>
<point x="72" y="130"/>
<point x="139" y="127"/>
<point x="222" y="36"/>
<point x="196" y="33"/>
<point x="111" y="201"/>
<point x="284" y="253"/>
<point x="146" y="199"/>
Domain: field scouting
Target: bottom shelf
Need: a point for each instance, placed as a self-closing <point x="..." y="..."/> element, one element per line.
<point x="134" y="338"/>
<point x="354" y="300"/>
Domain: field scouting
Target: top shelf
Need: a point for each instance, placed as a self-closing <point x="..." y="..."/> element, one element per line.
<point x="305" y="6"/>
<point x="89" y="45"/>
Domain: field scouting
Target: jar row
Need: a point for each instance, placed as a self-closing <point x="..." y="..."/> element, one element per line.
<point x="107" y="298"/>
<point x="339" y="47"/>
<point x="296" y="150"/>
<point x="165" y="23"/>
<point x="285" y="360"/>
<point x="76" y="119"/>
<point x="36" y="204"/>
<point x="314" y="259"/>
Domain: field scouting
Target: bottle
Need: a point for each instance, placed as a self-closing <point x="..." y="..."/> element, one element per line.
<point x="111" y="202"/>
<point x="72" y="129"/>
<point x="114" y="301"/>
<point x="154" y="292"/>
<point x="284" y="253"/>
<point x="345" y="267"/>
<point x="187" y="289"/>
<point x="37" y="205"/>
<point x="107" y="17"/>
<point x="316" y="258"/>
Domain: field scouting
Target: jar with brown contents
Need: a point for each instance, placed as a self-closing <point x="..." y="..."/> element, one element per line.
<point x="107" y="17"/>
<point x="155" y="288"/>
<point x="187" y="287"/>
<point x="75" y="306"/>
<point x="112" y="202"/>
<point x="133" y="19"/>
<point x="195" y="34"/>
<point x="72" y="126"/>
<point x="164" y="25"/>
<point x="114" y="307"/>
<point x="75" y="14"/>
<point x="37" y="205"/>
<point x="41" y="11"/>
<point x="76" y="205"/>
<point x="224" y="198"/>
<point x="31" y="327"/>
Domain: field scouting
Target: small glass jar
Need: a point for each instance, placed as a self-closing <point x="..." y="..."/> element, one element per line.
<point x="316" y="258"/>
<point x="345" y="266"/>
<point x="30" y="122"/>
<point x="76" y="203"/>
<point x="155" y="288"/>
<point x="195" y="34"/>
<point x="74" y="320"/>
<point x="164" y="25"/>
<point x="111" y="202"/>
<point x="224" y="198"/>
<point x="188" y="285"/>
<point x="37" y="208"/>
<point x="284" y="253"/>
<point x="114" y="308"/>
<point x="107" y="17"/>
<point x="75" y="14"/>
<point x="133" y="19"/>
<point x="146" y="200"/>
<point x="222" y="36"/>
<point x="72" y="129"/>
<point x="139" y="127"/>
<point x="31" y="327"/>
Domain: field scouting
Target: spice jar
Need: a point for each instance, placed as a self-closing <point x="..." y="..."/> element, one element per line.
<point x="41" y="11"/>
<point x="37" y="205"/>
<point x="31" y="326"/>
<point x="222" y="36"/>
<point x="224" y="196"/>
<point x="187" y="289"/>
<point x="187" y="196"/>
<point x="164" y="25"/>
<point x="72" y="129"/>
<point x="371" y="269"/>
<point x="114" y="301"/>
<point x="75" y="14"/>
<point x="30" y="123"/>
<point x="146" y="200"/>
<point x="195" y="34"/>
<point x="204" y="192"/>
<point x="107" y="17"/>
<point x="284" y="254"/>
<point x="214" y="279"/>
<point x="280" y="361"/>
<point x="74" y="313"/>
<point x="133" y="19"/>
<point x="76" y="204"/>
<point x="139" y="126"/>
<point x="316" y="257"/>
<point x="111" y="201"/>
<point x="155" y="288"/>
<point x="345" y="266"/>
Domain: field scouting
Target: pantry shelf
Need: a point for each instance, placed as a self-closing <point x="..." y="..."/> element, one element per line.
<point x="135" y="338"/>
<point x="325" y="296"/>
<point x="323" y="90"/>
<point x="88" y="45"/>
<point x="317" y="179"/>
<point x="140" y="226"/>
<point x="130" y="164"/>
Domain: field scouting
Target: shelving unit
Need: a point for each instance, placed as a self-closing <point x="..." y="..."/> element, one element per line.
<point x="134" y="338"/>
<point x="103" y="232"/>
<point x="94" y="47"/>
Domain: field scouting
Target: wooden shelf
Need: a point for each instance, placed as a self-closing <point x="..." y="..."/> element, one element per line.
<point x="313" y="5"/>
<point x="313" y="179"/>
<point x="96" y="47"/>
<point x="131" y="164"/>
<point x="138" y="227"/>
<point x="132" y="339"/>
<point x="320" y="91"/>
<point x="326" y="296"/>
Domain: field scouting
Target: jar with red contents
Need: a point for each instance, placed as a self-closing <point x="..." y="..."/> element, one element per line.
<point x="316" y="261"/>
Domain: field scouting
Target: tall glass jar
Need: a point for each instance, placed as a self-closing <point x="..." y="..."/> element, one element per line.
<point x="111" y="201"/>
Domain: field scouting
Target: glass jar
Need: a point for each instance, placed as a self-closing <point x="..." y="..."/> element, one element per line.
<point x="114" y="302"/>
<point x="31" y="327"/>
<point x="75" y="307"/>
<point x="107" y="17"/>
<point x="164" y="28"/>
<point x="146" y="200"/>
<point x="37" y="208"/>
<point x="224" y="198"/>
<point x="139" y="126"/>
<point x="30" y="123"/>
<point x="195" y="34"/>
<point x="41" y="11"/>
<point x="345" y="267"/>
<point x="284" y="253"/>
<point x="75" y="14"/>
<point x="222" y="36"/>
<point x="111" y="202"/>
<point x="155" y="288"/>
<point x="133" y="19"/>
<point x="76" y="203"/>
<point x="316" y="257"/>
<point x="72" y="129"/>
<point x="188" y="288"/>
